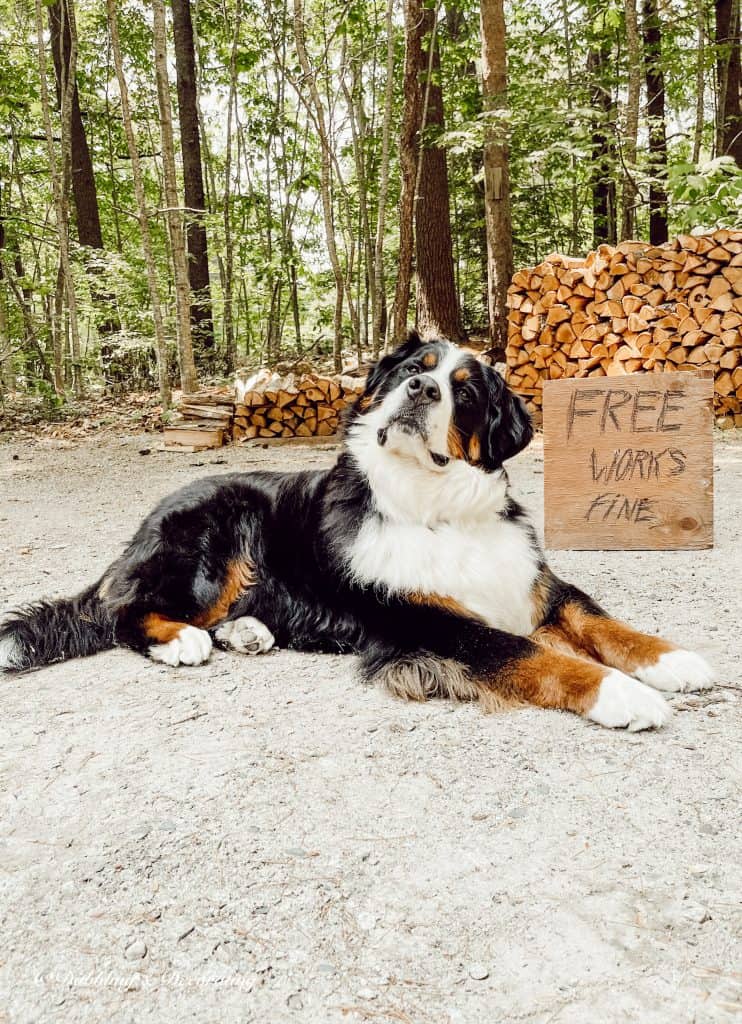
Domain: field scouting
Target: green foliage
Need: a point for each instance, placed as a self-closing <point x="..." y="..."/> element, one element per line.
<point x="707" y="195"/>
<point x="267" y="193"/>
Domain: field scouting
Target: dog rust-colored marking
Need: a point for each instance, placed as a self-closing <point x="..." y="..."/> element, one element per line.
<point x="366" y="402"/>
<point x="551" y="679"/>
<point x="430" y="360"/>
<point x="541" y="596"/>
<point x="240" y="575"/>
<point x="446" y="604"/>
<point x="609" y="641"/>
<point x="160" y="628"/>
<point x="455" y="442"/>
<point x="474" y="448"/>
<point x="461" y="374"/>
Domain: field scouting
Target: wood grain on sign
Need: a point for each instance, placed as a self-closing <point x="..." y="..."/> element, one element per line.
<point x="628" y="462"/>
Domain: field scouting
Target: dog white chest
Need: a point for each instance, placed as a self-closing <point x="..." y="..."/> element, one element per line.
<point x="489" y="567"/>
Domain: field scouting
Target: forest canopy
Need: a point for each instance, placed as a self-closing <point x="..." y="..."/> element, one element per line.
<point x="191" y="187"/>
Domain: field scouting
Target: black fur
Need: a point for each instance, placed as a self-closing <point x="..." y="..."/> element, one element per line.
<point x="509" y="428"/>
<point x="49" y="631"/>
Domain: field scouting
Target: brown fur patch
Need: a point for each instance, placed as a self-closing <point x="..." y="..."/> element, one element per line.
<point x="554" y="638"/>
<point x="552" y="679"/>
<point x="455" y="443"/>
<point x="366" y="402"/>
<point x="239" y="576"/>
<point x="446" y="604"/>
<point x="608" y="641"/>
<point x="461" y="374"/>
<point x="161" y="629"/>
<point x="475" y="448"/>
<point x="430" y="359"/>
<point x="541" y="595"/>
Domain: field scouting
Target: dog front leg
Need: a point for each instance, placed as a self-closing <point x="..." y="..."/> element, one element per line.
<point x="579" y="624"/>
<point x="496" y="668"/>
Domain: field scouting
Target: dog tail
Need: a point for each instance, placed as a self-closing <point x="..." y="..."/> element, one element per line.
<point x="48" y="631"/>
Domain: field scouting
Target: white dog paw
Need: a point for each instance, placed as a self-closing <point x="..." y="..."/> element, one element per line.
<point x="623" y="703"/>
<point x="246" y="635"/>
<point x="678" y="670"/>
<point x="192" y="646"/>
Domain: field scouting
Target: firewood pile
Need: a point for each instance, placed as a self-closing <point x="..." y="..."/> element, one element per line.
<point x="630" y="308"/>
<point x="207" y="421"/>
<point x="309" y="405"/>
<point x="265" y="406"/>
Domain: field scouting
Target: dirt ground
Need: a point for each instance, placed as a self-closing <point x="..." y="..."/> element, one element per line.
<point x="264" y="839"/>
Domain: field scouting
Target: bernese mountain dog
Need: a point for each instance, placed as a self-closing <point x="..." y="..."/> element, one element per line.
<point x="409" y="552"/>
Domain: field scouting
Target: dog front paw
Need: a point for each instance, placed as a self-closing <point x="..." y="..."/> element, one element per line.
<point x="677" y="671"/>
<point x="623" y="703"/>
<point x="192" y="646"/>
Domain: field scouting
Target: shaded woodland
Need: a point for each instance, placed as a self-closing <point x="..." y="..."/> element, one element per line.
<point x="192" y="187"/>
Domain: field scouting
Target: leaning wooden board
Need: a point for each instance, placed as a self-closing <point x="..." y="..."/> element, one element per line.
<point x="628" y="462"/>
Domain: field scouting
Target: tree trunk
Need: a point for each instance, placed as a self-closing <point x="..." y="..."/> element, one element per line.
<point x="84" y="191"/>
<point x="574" y="191"/>
<point x="357" y="119"/>
<point x="59" y="174"/>
<point x="700" y="78"/>
<point x="379" y="327"/>
<point x="603" y="150"/>
<point x="230" y="344"/>
<point x="496" y="179"/>
<point x="83" y="179"/>
<point x="174" y="221"/>
<point x="438" y="310"/>
<point x="729" y="80"/>
<point x="409" y="143"/>
<point x="633" y="58"/>
<point x="193" y="183"/>
<point x="7" y="377"/>
<point x="655" y="81"/>
<point x="142" y="213"/>
<point x="325" y="180"/>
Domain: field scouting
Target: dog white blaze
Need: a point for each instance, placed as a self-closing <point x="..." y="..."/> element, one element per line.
<point x="439" y="530"/>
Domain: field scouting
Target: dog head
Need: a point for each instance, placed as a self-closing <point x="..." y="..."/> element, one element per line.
<point x="435" y="402"/>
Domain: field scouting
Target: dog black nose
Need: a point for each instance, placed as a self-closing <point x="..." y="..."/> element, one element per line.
<point x="424" y="388"/>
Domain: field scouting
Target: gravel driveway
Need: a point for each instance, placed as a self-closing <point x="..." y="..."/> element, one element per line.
<point x="267" y="840"/>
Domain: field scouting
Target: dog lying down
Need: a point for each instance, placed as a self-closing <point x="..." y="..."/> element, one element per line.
<point x="410" y="552"/>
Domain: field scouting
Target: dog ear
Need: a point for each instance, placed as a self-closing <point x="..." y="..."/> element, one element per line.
<point x="509" y="428"/>
<point x="377" y="373"/>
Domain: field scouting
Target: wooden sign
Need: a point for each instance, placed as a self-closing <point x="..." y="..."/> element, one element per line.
<point x="628" y="462"/>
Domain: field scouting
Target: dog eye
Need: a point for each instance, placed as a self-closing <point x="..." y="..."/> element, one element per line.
<point x="464" y="397"/>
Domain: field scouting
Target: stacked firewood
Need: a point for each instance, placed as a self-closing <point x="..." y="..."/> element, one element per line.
<point x="207" y="418"/>
<point x="630" y="308"/>
<point x="306" y="405"/>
